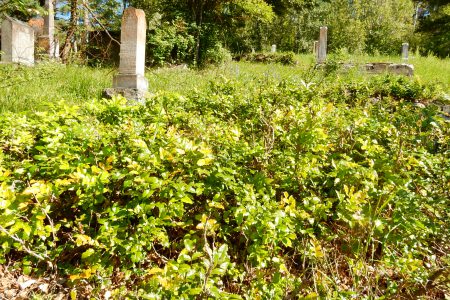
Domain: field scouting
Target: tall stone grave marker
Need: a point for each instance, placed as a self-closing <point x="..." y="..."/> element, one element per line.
<point x="47" y="41"/>
<point x="131" y="82"/>
<point x="17" y="42"/>
<point x="132" y="51"/>
<point x="322" y="51"/>
<point x="274" y="48"/>
<point x="405" y="51"/>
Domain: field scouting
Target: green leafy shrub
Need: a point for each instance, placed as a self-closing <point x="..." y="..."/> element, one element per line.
<point x="171" y="43"/>
<point x="267" y="190"/>
<point x="217" y="55"/>
<point x="285" y="58"/>
<point x="400" y="87"/>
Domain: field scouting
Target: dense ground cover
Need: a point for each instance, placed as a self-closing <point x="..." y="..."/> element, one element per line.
<point x="256" y="185"/>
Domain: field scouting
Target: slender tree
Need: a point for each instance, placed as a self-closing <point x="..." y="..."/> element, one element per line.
<point x="68" y="43"/>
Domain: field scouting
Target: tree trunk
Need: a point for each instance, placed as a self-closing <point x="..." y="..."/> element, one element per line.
<point x="71" y="31"/>
<point x="86" y="23"/>
<point x="199" y="23"/>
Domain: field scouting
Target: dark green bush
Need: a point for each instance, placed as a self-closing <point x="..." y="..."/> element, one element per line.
<point x="171" y="43"/>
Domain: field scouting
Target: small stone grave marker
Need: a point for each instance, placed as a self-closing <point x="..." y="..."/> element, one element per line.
<point x="274" y="48"/>
<point x="405" y="51"/>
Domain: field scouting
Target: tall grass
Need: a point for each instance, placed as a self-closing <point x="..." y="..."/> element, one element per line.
<point x="28" y="89"/>
<point x="427" y="69"/>
<point x="185" y="80"/>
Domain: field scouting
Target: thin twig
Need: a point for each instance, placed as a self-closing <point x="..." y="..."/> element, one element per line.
<point x="162" y="257"/>
<point x="210" y="254"/>
<point x="26" y="249"/>
<point x="99" y="23"/>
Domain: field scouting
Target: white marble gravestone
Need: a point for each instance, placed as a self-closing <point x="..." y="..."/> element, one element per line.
<point x="17" y="42"/>
<point x="131" y="82"/>
<point x="132" y="51"/>
<point x="274" y="48"/>
<point x="322" y="51"/>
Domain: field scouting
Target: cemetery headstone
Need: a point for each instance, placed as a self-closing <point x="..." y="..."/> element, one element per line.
<point x="273" y="49"/>
<point x="322" y="51"/>
<point x="316" y="48"/>
<point x="131" y="82"/>
<point x="405" y="51"/>
<point x="17" y="42"/>
<point x="47" y="40"/>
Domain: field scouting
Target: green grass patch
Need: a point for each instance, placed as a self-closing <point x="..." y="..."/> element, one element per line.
<point x="29" y="89"/>
<point x="427" y="69"/>
<point x="32" y="88"/>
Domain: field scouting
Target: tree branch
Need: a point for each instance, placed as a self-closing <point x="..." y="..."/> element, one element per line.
<point x="26" y="249"/>
<point x="99" y="23"/>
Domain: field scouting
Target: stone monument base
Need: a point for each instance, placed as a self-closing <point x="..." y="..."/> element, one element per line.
<point x="130" y="81"/>
<point x="401" y="69"/>
<point x="380" y="68"/>
<point x="128" y="93"/>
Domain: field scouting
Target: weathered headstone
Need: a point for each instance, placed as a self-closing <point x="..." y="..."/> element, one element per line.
<point x="131" y="82"/>
<point x="316" y="48"/>
<point x="274" y="48"/>
<point x="405" y="51"/>
<point x="322" y="51"/>
<point x="17" y="42"/>
<point x="376" y="68"/>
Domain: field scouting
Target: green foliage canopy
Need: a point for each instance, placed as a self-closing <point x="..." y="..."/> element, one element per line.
<point x="434" y="30"/>
<point x="22" y="9"/>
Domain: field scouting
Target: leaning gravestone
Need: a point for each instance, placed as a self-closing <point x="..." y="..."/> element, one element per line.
<point x="131" y="82"/>
<point x="17" y="42"/>
<point x="322" y="51"/>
